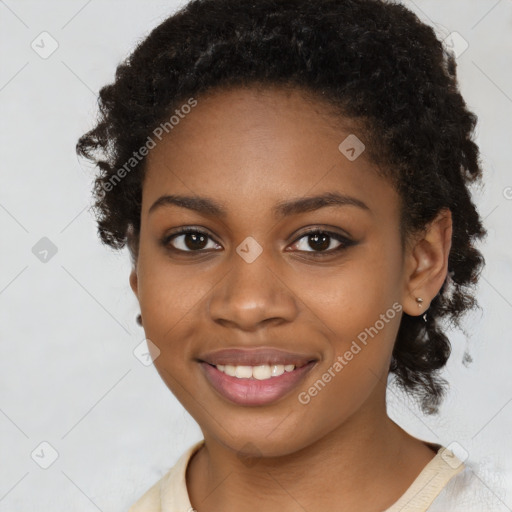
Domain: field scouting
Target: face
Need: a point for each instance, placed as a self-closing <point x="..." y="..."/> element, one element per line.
<point x="299" y="299"/>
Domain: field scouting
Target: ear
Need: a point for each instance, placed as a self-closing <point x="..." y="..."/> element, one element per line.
<point x="132" y="242"/>
<point x="426" y="263"/>
<point x="134" y="281"/>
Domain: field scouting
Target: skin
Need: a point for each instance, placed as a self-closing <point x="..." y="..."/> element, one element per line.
<point x="249" y="149"/>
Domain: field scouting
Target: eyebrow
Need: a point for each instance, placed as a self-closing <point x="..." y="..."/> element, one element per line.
<point x="209" y="207"/>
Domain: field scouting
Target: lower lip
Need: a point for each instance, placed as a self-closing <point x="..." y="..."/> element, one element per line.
<point x="253" y="391"/>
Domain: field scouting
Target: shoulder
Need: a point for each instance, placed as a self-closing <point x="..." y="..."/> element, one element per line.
<point x="474" y="489"/>
<point x="169" y="494"/>
<point x="447" y="484"/>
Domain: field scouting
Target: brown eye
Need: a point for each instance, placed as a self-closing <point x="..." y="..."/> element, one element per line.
<point x="321" y="242"/>
<point x="187" y="240"/>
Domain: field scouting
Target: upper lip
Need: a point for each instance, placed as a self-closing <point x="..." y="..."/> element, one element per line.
<point x="255" y="357"/>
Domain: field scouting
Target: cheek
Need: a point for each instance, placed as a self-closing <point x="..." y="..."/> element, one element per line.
<point x="167" y="292"/>
<point x="358" y="311"/>
<point x="169" y="299"/>
<point x="359" y="344"/>
<point x="351" y="298"/>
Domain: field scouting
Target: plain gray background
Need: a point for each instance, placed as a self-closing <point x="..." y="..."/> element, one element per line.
<point x="68" y="373"/>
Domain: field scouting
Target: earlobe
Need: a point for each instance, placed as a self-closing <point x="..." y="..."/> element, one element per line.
<point x="134" y="284"/>
<point x="428" y="264"/>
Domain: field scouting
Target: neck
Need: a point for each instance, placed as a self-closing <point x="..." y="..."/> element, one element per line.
<point x="365" y="464"/>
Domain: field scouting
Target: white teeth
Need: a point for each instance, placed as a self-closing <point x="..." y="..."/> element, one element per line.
<point x="243" y="372"/>
<point x="278" y="369"/>
<point x="260" y="372"/>
<point x="229" y="370"/>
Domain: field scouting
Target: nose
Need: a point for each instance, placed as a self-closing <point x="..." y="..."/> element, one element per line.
<point x="252" y="295"/>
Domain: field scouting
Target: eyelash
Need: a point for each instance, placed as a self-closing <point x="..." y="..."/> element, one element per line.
<point x="345" y="242"/>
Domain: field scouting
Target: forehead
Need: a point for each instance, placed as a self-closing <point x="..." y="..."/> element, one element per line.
<point x="253" y="147"/>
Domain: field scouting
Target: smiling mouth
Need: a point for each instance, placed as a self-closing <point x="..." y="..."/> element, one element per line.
<point x="255" y="385"/>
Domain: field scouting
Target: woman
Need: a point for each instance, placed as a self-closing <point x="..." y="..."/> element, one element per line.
<point x="292" y="180"/>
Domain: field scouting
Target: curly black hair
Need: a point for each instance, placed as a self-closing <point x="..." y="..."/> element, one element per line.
<point x="371" y="61"/>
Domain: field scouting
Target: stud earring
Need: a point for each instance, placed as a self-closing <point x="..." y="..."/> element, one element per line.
<point x="419" y="300"/>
